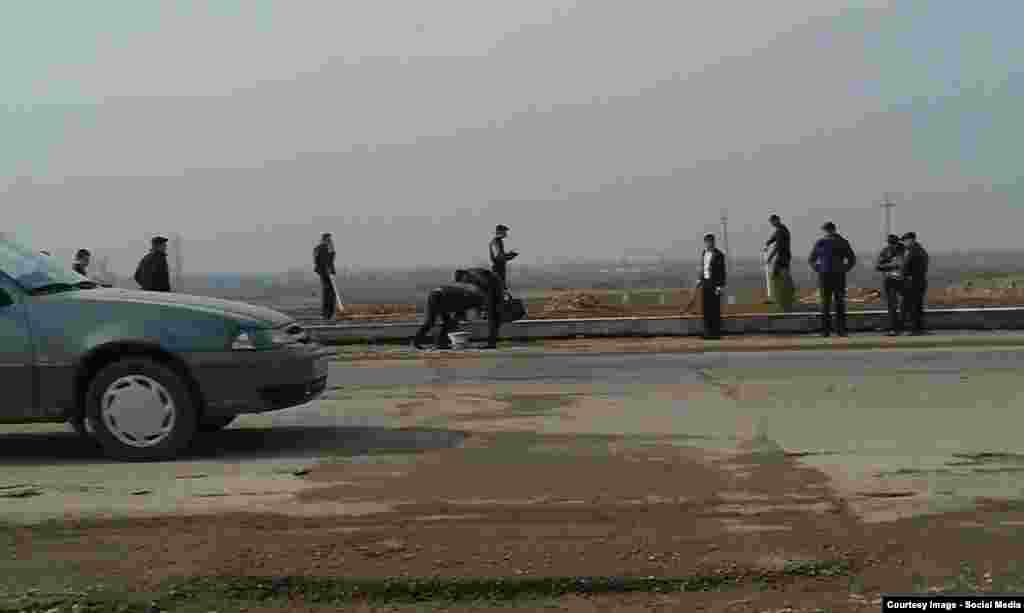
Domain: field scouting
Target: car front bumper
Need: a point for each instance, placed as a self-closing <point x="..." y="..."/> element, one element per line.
<point x="233" y="382"/>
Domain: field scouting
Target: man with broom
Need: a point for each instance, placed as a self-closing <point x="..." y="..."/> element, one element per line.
<point x="323" y="265"/>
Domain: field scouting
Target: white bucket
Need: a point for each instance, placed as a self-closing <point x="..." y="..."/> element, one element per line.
<point x="459" y="339"/>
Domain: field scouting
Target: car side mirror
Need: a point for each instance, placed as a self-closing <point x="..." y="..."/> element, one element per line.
<point x="5" y="299"/>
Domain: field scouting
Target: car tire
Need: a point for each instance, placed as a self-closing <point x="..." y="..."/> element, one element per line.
<point x="141" y="410"/>
<point x="215" y="424"/>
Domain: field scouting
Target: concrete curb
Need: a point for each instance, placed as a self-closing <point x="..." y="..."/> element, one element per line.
<point x="1005" y="318"/>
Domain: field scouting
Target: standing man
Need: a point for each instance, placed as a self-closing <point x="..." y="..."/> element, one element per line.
<point x="81" y="265"/>
<point x="832" y="258"/>
<point x="780" y="258"/>
<point x="915" y="282"/>
<point x="323" y="265"/>
<point x="152" y="273"/>
<point x="890" y="264"/>
<point x="492" y="288"/>
<point x="712" y="281"/>
<point x="499" y="257"/>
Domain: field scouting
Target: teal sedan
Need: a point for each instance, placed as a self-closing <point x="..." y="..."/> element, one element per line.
<point x="141" y="372"/>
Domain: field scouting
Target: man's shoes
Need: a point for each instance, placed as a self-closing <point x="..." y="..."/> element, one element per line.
<point x="490" y="346"/>
<point x="892" y="333"/>
<point x="417" y="344"/>
<point x="712" y="337"/>
<point x="825" y="333"/>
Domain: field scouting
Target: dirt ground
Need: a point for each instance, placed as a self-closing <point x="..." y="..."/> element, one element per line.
<point x="518" y="504"/>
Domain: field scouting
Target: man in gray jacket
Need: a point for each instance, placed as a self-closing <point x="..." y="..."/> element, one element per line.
<point x="890" y="264"/>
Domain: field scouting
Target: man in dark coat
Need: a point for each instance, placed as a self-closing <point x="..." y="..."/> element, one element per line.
<point x="712" y="281"/>
<point x="915" y="283"/>
<point x="152" y="273"/>
<point x="450" y="304"/>
<point x="81" y="265"/>
<point x="832" y="258"/>
<point x="493" y="289"/>
<point x="499" y="257"/>
<point x="780" y="257"/>
<point x="890" y="263"/>
<point x="323" y="265"/>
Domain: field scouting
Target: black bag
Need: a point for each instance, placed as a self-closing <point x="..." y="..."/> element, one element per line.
<point x="512" y="309"/>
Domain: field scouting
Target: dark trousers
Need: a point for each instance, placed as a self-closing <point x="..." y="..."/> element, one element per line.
<point x="327" y="303"/>
<point x="435" y="311"/>
<point x="893" y="289"/>
<point x="493" y="318"/>
<point x="913" y="304"/>
<point x="832" y="286"/>
<point x="501" y="271"/>
<point x="712" y="307"/>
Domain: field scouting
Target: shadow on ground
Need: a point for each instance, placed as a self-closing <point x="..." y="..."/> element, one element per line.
<point x="49" y="448"/>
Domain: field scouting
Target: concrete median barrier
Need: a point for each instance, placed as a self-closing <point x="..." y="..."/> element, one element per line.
<point x="1004" y="318"/>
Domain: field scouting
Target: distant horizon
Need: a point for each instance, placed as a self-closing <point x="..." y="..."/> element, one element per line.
<point x="612" y="263"/>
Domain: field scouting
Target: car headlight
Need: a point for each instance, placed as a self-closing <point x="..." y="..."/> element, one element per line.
<point x="253" y="339"/>
<point x="245" y="341"/>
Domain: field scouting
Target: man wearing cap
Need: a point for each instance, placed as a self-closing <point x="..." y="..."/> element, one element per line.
<point x="890" y="264"/>
<point x="152" y="273"/>
<point x="780" y="257"/>
<point x="323" y="265"/>
<point x="712" y="280"/>
<point x="915" y="282"/>
<point x="832" y="258"/>
<point x="499" y="257"/>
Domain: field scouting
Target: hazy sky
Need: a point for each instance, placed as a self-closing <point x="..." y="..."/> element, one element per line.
<point x="592" y="128"/>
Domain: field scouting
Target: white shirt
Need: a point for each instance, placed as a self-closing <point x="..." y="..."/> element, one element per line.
<point x="707" y="264"/>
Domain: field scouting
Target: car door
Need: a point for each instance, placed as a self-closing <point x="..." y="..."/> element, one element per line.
<point x="17" y="381"/>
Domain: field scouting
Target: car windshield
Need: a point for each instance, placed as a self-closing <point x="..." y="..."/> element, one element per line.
<point x="36" y="272"/>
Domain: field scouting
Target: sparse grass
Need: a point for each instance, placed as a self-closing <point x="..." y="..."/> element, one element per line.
<point x="229" y="592"/>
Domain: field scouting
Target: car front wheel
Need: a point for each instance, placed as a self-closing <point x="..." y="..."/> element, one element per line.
<point x="141" y="410"/>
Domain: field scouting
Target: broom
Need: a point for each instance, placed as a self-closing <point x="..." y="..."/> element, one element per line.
<point x="339" y="307"/>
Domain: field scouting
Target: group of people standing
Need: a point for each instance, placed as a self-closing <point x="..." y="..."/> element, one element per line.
<point x="903" y="262"/>
<point x="152" y="273"/>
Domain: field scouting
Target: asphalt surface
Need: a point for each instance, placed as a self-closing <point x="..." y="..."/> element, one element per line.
<point x="942" y="421"/>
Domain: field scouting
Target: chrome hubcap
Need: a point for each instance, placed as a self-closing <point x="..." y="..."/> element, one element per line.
<point x="138" y="411"/>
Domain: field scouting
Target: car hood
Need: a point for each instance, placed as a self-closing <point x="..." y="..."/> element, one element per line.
<point x="230" y="308"/>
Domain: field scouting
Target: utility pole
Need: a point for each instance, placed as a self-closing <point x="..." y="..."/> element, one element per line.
<point x="887" y="205"/>
<point x="725" y="236"/>
<point x="728" y="253"/>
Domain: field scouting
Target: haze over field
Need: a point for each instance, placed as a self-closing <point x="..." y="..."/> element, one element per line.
<point x="592" y="128"/>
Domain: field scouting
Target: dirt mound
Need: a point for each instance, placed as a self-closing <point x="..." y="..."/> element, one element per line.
<point x="576" y="304"/>
<point x="572" y="301"/>
<point x="854" y="295"/>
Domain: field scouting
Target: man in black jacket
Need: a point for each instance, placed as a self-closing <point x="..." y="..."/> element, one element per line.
<point x="499" y="257"/>
<point x="450" y="303"/>
<point x="152" y="273"/>
<point x="915" y="283"/>
<point x="712" y="281"/>
<point x="890" y="263"/>
<point x="81" y="265"/>
<point x="493" y="289"/>
<point x="832" y="258"/>
<point x="323" y="265"/>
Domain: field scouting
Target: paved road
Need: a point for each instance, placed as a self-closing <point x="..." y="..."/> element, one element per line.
<point x="945" y="421"/>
